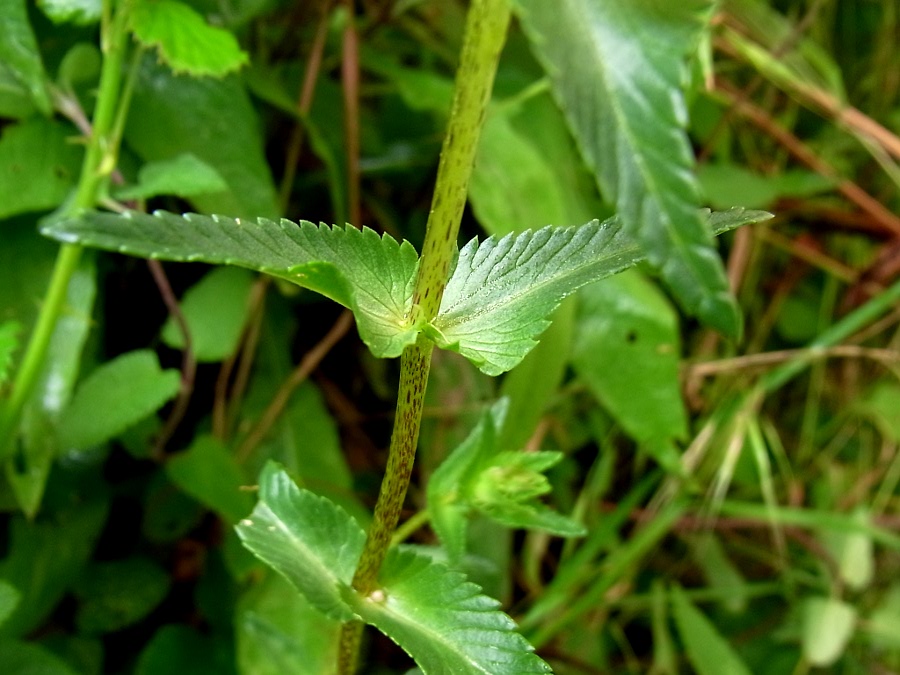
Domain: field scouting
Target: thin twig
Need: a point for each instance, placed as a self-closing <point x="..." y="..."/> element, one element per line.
<point x="709" y="368"/>
<point x="802" y="152"/>
<point x="304" y="104"/>
<point x="350" y="83"/>
<point x="307" y="365"/>
<point x="188" y="360"/>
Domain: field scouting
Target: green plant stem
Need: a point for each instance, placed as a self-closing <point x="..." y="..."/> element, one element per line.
<point x="485" y="34"/>
<point x="99" y="162"/>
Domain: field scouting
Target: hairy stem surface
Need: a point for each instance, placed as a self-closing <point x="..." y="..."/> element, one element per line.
<point x="483" y="41"/>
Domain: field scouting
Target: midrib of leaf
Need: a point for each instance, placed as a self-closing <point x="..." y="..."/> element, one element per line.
<point x="632" y="134"/>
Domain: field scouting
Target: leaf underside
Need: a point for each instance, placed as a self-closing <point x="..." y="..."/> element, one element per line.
<point x="372" y="275"/>
<point x="620" y="90"/>
<point x="440" y="619"/>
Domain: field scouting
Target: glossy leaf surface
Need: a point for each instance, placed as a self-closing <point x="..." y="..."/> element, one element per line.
<point x="620" y="89"/>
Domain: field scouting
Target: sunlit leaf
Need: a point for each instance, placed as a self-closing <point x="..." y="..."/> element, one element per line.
<point x="828" y="625"/>
<point x="185" y="41"/>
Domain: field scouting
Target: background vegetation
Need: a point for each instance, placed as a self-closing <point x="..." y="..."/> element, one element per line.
<point x="739" y="497"/>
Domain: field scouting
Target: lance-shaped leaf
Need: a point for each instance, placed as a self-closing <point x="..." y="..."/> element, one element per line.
<point x="502" y="290"/>
<point x="444" y="622"/>
<point x="370" y="274"/>
<point x="617" y="69"/>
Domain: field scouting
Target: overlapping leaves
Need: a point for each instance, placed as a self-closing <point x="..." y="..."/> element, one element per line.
<point x="444" y="622"/>
<point x="620" y="89"/>
<point x="495" y="305"/>
<point x="480" y="476"/>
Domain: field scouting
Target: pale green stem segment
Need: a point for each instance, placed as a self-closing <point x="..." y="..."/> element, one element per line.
<point x="485" y="34"/>
<point x="99" y="162"/>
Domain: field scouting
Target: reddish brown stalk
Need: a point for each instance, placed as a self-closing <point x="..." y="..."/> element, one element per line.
<point x="350" y="82"/>
<point x="188" y="361"/>
<point x="282" y="397"/>
<point x="805" y="154"/>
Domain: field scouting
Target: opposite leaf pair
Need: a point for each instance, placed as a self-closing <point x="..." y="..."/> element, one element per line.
<point x="495" y="305"/>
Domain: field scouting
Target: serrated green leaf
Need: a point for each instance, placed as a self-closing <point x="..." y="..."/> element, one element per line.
<point x="215" y="310"/>
<point x="209" y="473"/>
<point x="617" y="70"/>
<point x="184" y="175"/>
<point x="80" y="12"/>
<point x="444" y="622"/>
<point x="502" y="290"/>
<point x="371" y="274"/>
<point x="707" y="650"/>
<point x="185" y="41"/>
<point x="478" y="477"/>
<point x="309" y="540"/>
<point x="9" y="343"/>
<point x="38" y="166"/>
<point x="116" y="395"/>
<point x="19" y="53"/>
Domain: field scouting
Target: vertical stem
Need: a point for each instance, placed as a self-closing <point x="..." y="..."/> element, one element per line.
<point x="99" y="162"/>
<point x="485" y="33"/>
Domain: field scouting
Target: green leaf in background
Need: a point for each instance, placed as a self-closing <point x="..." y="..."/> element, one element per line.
<point x="727" y="184"/>
<point x="116" y="395"/>
<point x="706" y="649"/>
<point x="444" y="622"/>
<point x="44" y="558"/>
<point x="215" y="310"/>
<point x="499" y="296"/>
<point x="80" y="12"/>
<point x="38" y="166"/>
<point x="185" y="41"/>
<point x="9" y="599"/>
<point x="853" y="552"/>
<point x="23" y="658"/>
<point x="620" y="90"/>
<point x="306" y="538"/>
<point x="28" y="472"/>
<point x="209" y="473"/>
<point x="881" y="624"/>
<point x="627" y="350"/>
<point x="183" y="176"/>
<point x="180" y="649"/>
<point x="9" y="343"/>
<point x="370" y="274"/>
<point x="222" y="130"/>
<point x="19" y="55"/>
<point x="478" y="476"/>
<point x="828" y="625"/>
<point x="279" y="632"/>
<point x="119" y="593"/>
